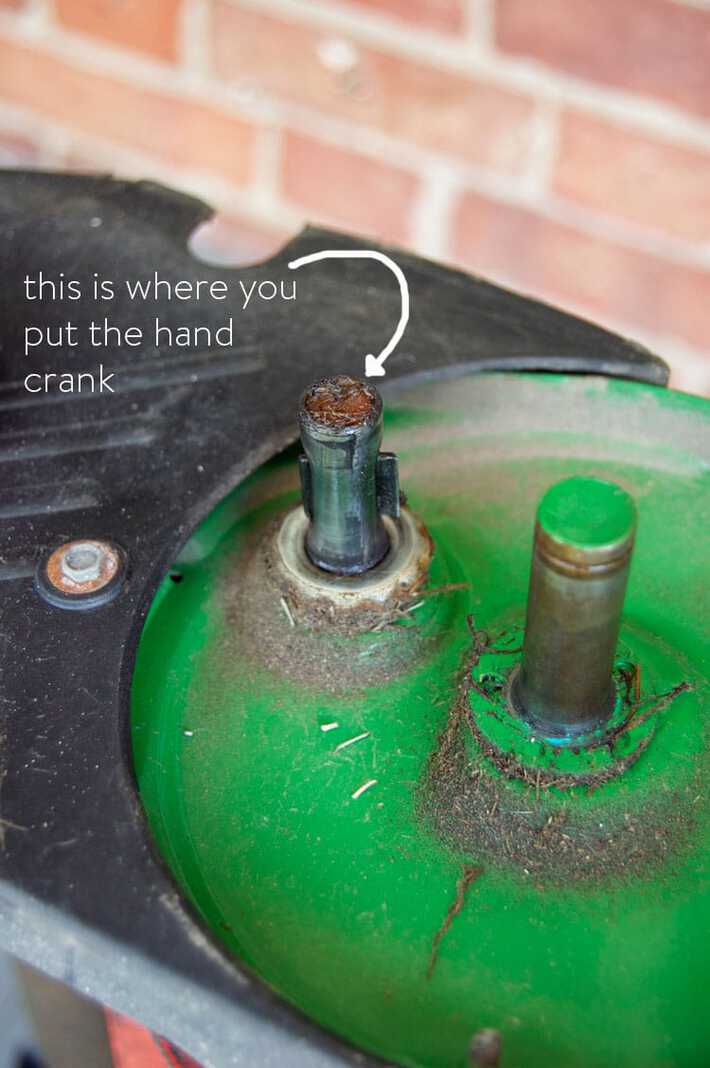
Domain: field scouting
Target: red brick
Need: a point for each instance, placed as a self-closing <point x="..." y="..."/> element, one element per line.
<point x="409" y="100"/>
<point x="146" y="27"/>
<point x="655" y="47"/>
<point x="659" y="185"/>
<point x="17" y="150"/>
<point x="446" y="15"/>
<point x="565" y="266"/>
<point x="185" y="133"/>
<point x="343" y="188"/>
<point x="227" y="239"/>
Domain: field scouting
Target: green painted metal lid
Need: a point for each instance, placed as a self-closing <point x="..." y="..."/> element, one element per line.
<point x="326" y="805"/>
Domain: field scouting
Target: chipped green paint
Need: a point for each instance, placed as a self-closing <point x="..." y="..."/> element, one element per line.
<point x="599" y="754"/>
<point x="316" y="863"/>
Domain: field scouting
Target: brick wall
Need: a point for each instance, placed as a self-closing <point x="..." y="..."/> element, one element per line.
<point x="562" y="148"/>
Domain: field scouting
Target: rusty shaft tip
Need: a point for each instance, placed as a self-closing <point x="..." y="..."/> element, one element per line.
<point x="341" y="431"/>
<point x="341" y="403"/>
<point x="582" y="548"/>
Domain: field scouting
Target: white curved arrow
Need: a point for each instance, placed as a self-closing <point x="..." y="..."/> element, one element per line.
<point x="374" y="365"/>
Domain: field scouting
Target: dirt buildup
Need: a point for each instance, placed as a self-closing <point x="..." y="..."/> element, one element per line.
<point x="308" y="641"/>
<point x="470" y="873"/>
<point x="512" y="768"/>
<point x="547" y="832"/>
<point x="341" y="402"/>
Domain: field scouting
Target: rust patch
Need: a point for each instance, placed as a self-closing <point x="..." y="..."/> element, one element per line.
<point x="471" y="872"/>
<point x="341" y="402"/>
<point x="110" y="562"/>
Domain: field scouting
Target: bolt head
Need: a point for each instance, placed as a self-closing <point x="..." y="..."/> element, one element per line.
<point x="485" y="1048"/>
<point x="82" y="567"/>
<point x="82" y="560"/>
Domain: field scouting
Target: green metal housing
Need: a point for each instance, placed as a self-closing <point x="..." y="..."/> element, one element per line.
<point x="346" y="812"/>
